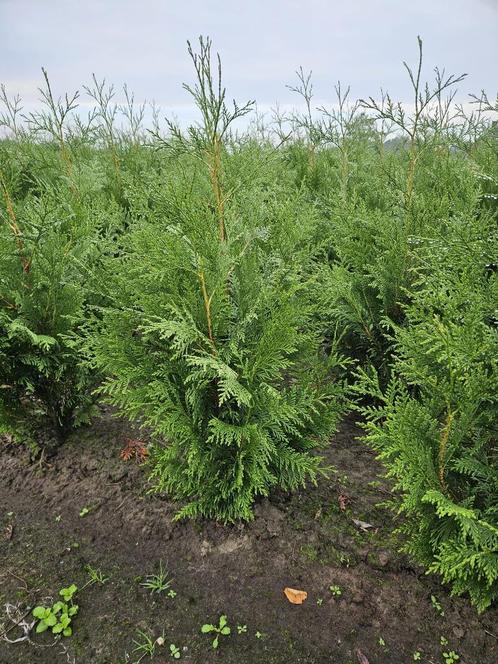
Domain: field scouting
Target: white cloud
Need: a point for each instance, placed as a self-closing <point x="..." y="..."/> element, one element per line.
<point x="262" y="42"/>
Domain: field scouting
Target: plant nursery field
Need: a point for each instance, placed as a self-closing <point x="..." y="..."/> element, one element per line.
<point x="249" y="377"/>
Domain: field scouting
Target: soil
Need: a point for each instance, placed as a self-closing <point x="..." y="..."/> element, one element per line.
<point x="379" y="611"/>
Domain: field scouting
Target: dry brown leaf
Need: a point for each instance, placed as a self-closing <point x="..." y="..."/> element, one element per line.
<point x="343" y="500"/>
<point x="362" y="659"/>
<point x="295" y="596"/>
<point x="136" y="449"/>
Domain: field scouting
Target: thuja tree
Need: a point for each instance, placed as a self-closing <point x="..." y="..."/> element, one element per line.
<point x="401" y="194"/>
<point x="48" y="246"/>
<point x="435" y="425"/>
<point x="42" y="302"/>
<point x="208" y="341"/>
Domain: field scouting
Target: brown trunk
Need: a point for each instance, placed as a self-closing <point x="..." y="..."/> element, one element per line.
<point x="13" y="225"/>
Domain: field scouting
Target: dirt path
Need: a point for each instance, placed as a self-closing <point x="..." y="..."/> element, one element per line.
<point x="379" y="604"/>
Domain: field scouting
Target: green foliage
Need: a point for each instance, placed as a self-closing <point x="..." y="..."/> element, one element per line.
<point x="47" y="247"/>
<point x="239" y="407"/>
<point x="221" y="629"/>
<point x="217" y="286"/>
<point x="209" y="339"/>
<point x="384" y="201"/>
<point x="58" y="617"/>
<point x="435" y="427"/>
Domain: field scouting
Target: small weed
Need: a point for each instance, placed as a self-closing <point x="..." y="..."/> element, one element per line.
<point x="174" y="651"/>
<point x="259" y="635"/>
<point x="145" y="646"/>
<point x="309" y="552"/>
<point x="241" y="629"/>
<point x="336" y="591"/>
<point x="58" y="617"/>
<point x="58" y="518"/>
<point x="158" y="583"/>
<point x="319" y="601"/>
<point x="84" y="511"/>
<point x="450" y="657"/>
<point x="381" y="642"/>
<point x="95" y="575"/>
<point x="436" y="604"/>
<point x="417" y="656"/>
<point x="443" y="641"/>
<point x="344" y="560"/>
<point x="221" y="629"/>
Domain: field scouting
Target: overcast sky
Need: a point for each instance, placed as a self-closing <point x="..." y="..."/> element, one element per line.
<point x="262" y="42"/>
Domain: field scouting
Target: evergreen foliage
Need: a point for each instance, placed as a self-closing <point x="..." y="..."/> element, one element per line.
<point x="435" y="425"/>
<point x="209" y="339"/>
<point x="46" y="249"/>
<point x="220" y="285"/>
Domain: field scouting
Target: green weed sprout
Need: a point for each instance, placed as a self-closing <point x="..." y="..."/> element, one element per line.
<point x="174" y="651"/>
<point x="221" y="629"/>
<point x="158" y="583"/>
<point x="58" y="617"/>
<point x="145" y="646"/>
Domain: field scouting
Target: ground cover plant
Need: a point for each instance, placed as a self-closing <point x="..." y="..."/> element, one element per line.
<point x="58" y="617"/>
<point x="232" y="289"/>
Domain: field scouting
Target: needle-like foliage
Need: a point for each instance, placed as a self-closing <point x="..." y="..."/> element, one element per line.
<point x="208" y="340"/>
<point x="217" y="284"/>
<point x="435" y="427"/>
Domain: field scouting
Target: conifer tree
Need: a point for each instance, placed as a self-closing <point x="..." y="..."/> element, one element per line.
<point x="208" y="340"/>
<point x="435" y="425"/>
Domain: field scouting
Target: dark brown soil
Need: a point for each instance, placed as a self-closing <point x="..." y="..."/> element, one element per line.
<point x="305" y="541"/>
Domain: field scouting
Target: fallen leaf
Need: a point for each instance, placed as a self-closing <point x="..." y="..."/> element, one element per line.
<point x="295" y="596"/>
<point x="134" y="448"/>
<point x="362" y="659"/>
<point x="9" y="529"/>
<point x="363" y="525"/>
<point x="343" y="500"/>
